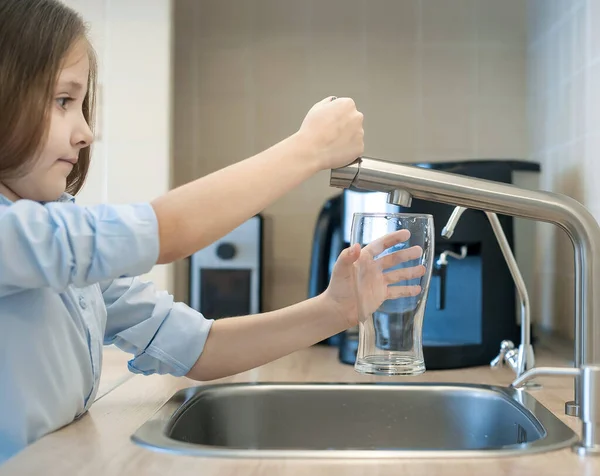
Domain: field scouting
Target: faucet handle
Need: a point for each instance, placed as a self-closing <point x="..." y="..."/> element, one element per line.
<point x="507" y="354"/>
<point x="588" y="383"/>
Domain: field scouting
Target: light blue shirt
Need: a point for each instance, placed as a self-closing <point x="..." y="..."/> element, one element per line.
<point x="68" y="286"/>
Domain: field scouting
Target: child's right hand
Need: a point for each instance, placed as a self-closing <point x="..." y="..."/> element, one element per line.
<point x="365" y="272"/>
<point x="334" y="132"/>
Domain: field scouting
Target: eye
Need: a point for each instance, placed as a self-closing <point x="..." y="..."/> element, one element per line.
<point x="62" y="102"/>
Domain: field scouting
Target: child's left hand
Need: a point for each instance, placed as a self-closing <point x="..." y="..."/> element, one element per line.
<point x="357" y="271"/>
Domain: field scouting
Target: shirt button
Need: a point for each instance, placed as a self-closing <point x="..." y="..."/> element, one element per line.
<point x="82" y="302"/>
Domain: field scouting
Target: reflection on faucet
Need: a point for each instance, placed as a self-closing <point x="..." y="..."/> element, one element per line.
<point x="402" y="182"/>
<point x="440" y="271"/>
<point x="524" y="358"/>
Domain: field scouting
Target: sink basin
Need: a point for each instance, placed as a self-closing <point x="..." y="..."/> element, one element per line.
<point x="353" y="420"/>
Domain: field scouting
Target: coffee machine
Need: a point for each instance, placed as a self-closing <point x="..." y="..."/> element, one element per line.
<point x="471" y="304"/>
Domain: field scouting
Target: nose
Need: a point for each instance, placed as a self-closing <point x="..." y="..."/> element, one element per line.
<point x="82" y="136"/>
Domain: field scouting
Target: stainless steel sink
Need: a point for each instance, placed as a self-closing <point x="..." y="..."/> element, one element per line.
<point x="353" y="420"/>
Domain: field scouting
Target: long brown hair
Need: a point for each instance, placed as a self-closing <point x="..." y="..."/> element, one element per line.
<point x="35" y="38"/>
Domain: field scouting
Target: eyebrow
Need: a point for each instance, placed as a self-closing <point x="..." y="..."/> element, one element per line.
<point x="74" y="85"/>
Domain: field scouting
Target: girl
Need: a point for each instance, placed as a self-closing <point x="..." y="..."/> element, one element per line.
<point x="68" y="273"/>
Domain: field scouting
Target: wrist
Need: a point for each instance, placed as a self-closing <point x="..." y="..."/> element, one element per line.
<point x="310" y="153"/>
<point x="335" y="313"/>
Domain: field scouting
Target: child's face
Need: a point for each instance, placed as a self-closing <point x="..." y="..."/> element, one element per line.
<point x="68" y="134"/>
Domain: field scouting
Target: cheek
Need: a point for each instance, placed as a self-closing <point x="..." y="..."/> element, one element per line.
<point x="57" y="135"/>
<point x="46" y="159"/>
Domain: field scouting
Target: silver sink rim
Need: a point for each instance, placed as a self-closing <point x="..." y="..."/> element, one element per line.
<point x="152" y="433"/>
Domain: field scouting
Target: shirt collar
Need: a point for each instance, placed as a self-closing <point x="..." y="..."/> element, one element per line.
<point x="65" y="197"/>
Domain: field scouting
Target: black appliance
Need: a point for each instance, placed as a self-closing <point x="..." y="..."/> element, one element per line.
<point x="226" y="276"/>
<point x="471" y="304"/>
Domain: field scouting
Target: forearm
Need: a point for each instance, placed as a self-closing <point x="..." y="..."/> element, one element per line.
<point x="196" y="214"/>
<point x="242" y="343"/>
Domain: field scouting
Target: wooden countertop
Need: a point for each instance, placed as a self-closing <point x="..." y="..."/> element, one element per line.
<point x="99" y="443"/>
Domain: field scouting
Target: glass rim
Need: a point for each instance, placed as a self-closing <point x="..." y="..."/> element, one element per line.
<point x="392" y="215"/>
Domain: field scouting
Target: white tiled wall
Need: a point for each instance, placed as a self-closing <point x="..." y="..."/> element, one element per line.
<point x="564" y="118"/>
<point x="436" y="79"/>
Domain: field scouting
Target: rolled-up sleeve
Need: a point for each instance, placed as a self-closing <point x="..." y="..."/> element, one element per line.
<point x="165" y="337"/>
<point x="60" y="244"/>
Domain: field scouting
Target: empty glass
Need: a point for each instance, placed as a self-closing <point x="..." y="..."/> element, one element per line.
<point x="390" y="337"/>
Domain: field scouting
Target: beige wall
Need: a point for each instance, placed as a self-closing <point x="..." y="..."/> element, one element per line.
<point x="564" y="107"/>
<point x="437" y="80"/>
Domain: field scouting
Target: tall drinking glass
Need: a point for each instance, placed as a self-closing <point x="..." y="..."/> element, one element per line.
<point x="390" y="337"/>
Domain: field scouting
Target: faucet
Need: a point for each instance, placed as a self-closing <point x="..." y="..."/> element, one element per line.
<point x="524" y="358"/>
<point x="402" y="182"/>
